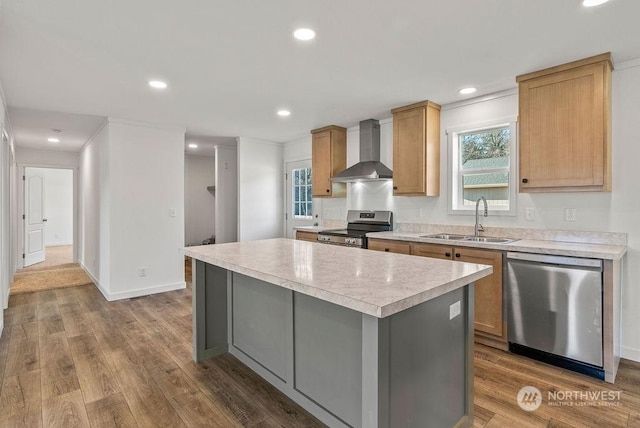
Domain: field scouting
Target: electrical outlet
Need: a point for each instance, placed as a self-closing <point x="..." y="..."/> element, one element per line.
<point x="142" y="271"/>
<point x="530" y="214"/>
<point x="56" y="236"/>
<point x="173" y="212"/>
<point x="570" y="214"/>
<point x="454" y="310"/>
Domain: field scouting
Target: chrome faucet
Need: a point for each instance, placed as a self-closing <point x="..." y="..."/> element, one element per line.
<point x="478" y="228"/>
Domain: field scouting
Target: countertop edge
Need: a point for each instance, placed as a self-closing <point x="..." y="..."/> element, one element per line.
<point x="342" y="300"/>
<point x="521" y="245"/>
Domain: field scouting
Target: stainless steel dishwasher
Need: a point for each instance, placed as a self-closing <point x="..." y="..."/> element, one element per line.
<point x="555" y="310"/>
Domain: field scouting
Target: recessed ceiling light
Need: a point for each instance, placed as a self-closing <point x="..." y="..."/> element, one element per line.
<point x="53" y="140"/>
<point x="304" y="34"/>
<point x="467" y="91"/>
<point x="284" y="113"/>
<point x="157" y="84"/>
<point x="193" y="146"/>
<point x="591" y="3"/>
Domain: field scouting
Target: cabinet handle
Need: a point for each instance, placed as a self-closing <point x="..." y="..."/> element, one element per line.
<point x="524" y="180"/>
<point x="447" y="254"/>
<point x="395" y="187"/>
<point x="328" y="190"/>
<point x="457" y="254"/>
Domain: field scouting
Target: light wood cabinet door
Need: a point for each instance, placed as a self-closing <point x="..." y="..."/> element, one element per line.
<point x="433" y="251"/>
<point x="488" y="305"/>
<point x="306" y="236"/>
<point x="416" y="149"/>
<point x="565" y="116"/>
<point x="328" y="157"/>
<point x="488" y="302"/>
<point x="389" y="246"/>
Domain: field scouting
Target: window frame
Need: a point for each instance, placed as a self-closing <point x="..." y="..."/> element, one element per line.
<point x="455" y="205"/>
<point x="308" y="185"/>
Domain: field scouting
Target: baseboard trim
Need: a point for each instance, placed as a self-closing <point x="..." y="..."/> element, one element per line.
<point x="630" y="354"/>
<point x="95" y="281"/>
<point x="139" y="292"/>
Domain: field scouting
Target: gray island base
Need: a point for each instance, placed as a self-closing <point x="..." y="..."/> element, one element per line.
<point x="349" y="368"/>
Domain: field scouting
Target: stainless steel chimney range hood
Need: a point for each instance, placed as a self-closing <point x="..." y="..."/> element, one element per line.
<point x="369" y="168"/>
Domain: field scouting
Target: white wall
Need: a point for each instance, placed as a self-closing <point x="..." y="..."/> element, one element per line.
<point x="58" y="204"/>
<point x="93" y="236"/>
<point x="146" y="209"/>
<point x="132" y="210"/>
<point x="226" y="211"/>
<point x="5" y="212"/>
<point x="260" y="189"/>
<point x="199" y="203"/>
<point x="617" y="211"/>
<point x="47" y="158"/>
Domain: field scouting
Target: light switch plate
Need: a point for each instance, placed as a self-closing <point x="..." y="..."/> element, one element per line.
<point x="173" y="212"/>
<point x="454" y="310"/>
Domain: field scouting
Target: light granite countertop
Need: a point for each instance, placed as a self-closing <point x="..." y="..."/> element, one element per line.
<point x="573" y="249"/>
<point x="375" y="283"/>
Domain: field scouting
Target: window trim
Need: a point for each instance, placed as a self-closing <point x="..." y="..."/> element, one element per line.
<point x="308" y="184"/>
<point x="455" y="173"/>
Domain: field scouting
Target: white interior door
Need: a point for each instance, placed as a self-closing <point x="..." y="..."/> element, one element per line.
<point x="299" y="201"/>
<point x="34" y="218"/>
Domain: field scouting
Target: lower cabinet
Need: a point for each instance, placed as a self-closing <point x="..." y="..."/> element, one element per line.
<point x="489" y="308"/>
<point x="490" y="323"/>
<point x="389" y="246"/>
<point x="306" y="236"/>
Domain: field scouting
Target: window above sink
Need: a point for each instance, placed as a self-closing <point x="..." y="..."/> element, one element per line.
<point x="482" y="162"/>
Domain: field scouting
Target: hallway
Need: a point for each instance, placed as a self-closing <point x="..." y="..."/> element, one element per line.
<point x="57" y="271"/>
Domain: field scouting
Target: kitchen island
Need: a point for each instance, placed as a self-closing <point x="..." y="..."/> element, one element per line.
<point x="358" y="338"/>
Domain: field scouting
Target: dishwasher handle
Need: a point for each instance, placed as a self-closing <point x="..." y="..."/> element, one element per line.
<point x="556" y="260"/>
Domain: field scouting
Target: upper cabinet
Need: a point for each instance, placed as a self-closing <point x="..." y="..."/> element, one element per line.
<point x="565" y="127"/>
<point x="416" y="149"/>
<point x="328" y="157"/>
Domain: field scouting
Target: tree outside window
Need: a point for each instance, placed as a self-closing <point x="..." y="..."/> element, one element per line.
<point x="482" y="164"/>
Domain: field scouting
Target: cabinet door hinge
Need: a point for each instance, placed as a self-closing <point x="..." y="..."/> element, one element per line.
<point x="286" y="216"/>
<point x="23" y="217"/>
<point x="286" y="176"/>
<point x="24" y="178"/>
<point x="23" y="255"/>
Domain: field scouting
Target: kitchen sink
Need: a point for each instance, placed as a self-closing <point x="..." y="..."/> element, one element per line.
<point x="446" y="236"/>
<point x="489" y="240"/>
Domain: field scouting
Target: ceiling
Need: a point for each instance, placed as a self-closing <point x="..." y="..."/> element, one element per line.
<point x="230" y="65"/>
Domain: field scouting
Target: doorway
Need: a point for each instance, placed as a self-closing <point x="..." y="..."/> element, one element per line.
<point x="48" y="223"/>
<point x="299" y="201"/>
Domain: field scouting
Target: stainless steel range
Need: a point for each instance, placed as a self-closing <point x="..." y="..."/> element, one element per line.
<point x="359" y="223"/>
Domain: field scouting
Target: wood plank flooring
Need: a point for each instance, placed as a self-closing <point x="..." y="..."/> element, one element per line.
<point x="69" y="358"/>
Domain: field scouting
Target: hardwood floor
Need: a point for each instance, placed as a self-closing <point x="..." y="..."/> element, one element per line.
<point x="69" y="358"/>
